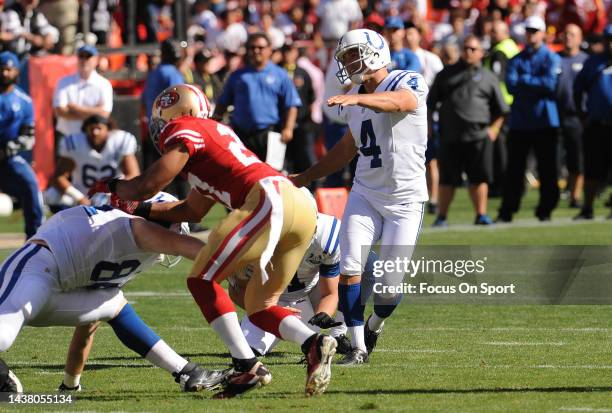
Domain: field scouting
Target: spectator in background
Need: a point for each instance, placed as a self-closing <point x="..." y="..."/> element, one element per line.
<point x="374" y="22"/>
<point x="449" y="54"/>
<point x="471" y="113"/>
<point x="503" y="49"/>
<point x="16" y="136"/>
<point x="572" y="59"/>
<point x="203" y="76"/>
<point x="263" y="96"/>
<point x="531" y="77"/>
<point x="431" y="65"/>
<point x="300" y="150"/>
<point x="318" y="83"/>
<point x="63" y="15"/>
<point x="101" y="17"/>
<point x="80" y="95"/>
<point x="430" y="62"/>
<point x="166" y="74"/>
<point x="100" y="151"/>
<point x="27" y="30"/>
<point x="401" y="58"/>
<point x="337" y="17"/>
<point x="276" y="35"/>
<point x="595" y="83"/>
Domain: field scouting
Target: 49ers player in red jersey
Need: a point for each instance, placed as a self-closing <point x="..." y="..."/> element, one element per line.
<point x="272" y="222"/>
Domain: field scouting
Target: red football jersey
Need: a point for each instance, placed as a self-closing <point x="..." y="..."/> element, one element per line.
<point x="220" y="166"/>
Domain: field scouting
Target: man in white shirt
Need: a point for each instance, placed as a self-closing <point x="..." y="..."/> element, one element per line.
<point x="81" y="95"/>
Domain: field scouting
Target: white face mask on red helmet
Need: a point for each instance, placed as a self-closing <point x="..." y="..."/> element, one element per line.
<point x="360" y="51"/>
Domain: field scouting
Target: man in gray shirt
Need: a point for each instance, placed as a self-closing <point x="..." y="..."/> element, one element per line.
<point x="471" y="112"/>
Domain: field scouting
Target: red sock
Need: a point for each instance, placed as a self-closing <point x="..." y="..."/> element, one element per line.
<point x="210" y="297"/>
<point x="269" y="319"/>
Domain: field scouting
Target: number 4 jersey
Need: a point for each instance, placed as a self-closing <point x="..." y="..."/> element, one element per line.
<point x="220" y="167"/>
<point x="94" y="247"/>
<point x="391" y="165"/>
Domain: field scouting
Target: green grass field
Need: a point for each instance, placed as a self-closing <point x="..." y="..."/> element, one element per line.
<point x="443" y="358"/>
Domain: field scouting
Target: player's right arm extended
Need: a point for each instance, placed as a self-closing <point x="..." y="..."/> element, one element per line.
<point x="340" y="155"/>
<point x="155" y="238"/>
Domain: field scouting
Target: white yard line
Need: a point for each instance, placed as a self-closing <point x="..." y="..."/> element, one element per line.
<point x="586" y="409"/>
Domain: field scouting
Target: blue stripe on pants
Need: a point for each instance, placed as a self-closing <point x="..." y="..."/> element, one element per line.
<point x="18" y="269"/>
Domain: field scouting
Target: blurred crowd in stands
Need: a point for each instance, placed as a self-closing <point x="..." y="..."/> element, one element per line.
<point x="519" y="101"/>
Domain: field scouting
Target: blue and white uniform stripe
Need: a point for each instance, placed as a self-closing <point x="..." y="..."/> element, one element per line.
<point x="13" y="266"/>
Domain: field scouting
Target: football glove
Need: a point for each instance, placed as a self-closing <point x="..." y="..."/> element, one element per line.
<point x="138" y="208"/>
<point x="105" y="186"/>
<point x="323" y="320"/>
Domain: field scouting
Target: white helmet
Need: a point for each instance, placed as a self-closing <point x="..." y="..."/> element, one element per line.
<point x="365" y="50"/>
<point x="166" y="260"/>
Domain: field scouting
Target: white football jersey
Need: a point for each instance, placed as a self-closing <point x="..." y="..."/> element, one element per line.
<point x="94" y="247"/>
<point x="321" y="258"/>
<point x="391" y="165"/>
<point x="91" y="165"/>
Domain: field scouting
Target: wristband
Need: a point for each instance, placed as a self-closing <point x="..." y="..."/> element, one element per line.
<point x="143" y="210"/>
<point x="74" y="193"/>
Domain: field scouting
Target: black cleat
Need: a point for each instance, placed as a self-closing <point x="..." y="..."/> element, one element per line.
<point x="240" y="382"/>
<point x="65" y="389"/>
<point x="9" y="383"/>
<point x="195" y="378"/>
<point x="354" y="358"/>
<point x="370" y="337"/>
<point x="585" y="214"/>
<point x="318" y="364"/>
<point x="344" y="345"/>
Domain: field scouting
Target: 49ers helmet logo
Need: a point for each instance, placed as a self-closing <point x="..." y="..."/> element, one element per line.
<point x="168" y="99"/>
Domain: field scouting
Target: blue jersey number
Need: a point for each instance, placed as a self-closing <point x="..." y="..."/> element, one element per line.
<point x="105" y="271"/>
<point x="373" y="150"/>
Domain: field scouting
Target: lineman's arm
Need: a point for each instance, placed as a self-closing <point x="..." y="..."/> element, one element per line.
<point x="61" y="180"/>
<point x="328" y="287"/>
<point x="153" y="237"/>
<point x="191" y="209"/>
<point x="392" y="101"/>
<point x="129" y="166"/>
<point x="340" y="155"/>
<point x="156" y="177"/>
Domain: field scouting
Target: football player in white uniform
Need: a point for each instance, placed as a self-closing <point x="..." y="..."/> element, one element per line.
<point x="99" y="151"/>
<point x="313" y="290"/>
<point x="387" y="117"/>
<point x="70" y="273"/>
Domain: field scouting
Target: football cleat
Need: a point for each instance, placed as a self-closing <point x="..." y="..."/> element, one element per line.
<point x="370" y="337"/>
<point x="318" y="364"/>
<point x="483" y="219"/>
<point x="195" y="378"/>
<point x="9" y="383"/>
<point x="240" y="382"/>
<point x="354" y="358"/>
<point x="440" y="223"/>
<point x="65" y="389"/>
<point x="344" y="345"/>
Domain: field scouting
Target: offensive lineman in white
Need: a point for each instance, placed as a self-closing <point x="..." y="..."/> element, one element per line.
<point x="70" y="273"/>
<point x="387" y="117"/>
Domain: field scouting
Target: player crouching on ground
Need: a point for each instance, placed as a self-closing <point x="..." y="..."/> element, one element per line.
<point x="271" y="225"/>
<point x="387" y="117"/>
<point x="70" y="274"/>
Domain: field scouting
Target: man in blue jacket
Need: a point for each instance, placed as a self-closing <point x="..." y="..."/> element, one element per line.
<point x="531" y="76"/>
<point x="595" y="81"/>
<point x="17" y="138"/>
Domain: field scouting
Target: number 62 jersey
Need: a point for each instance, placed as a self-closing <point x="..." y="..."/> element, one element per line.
<point x="391" y="145"/>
